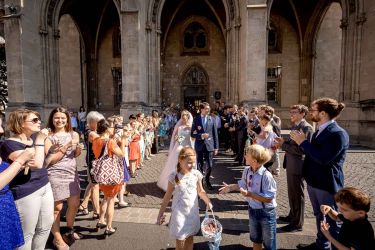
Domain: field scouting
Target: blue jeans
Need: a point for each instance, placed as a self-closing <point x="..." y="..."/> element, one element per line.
<point x="82" y="125"/>
<point x="262" y="224"/>
<point x="321" y="197"/>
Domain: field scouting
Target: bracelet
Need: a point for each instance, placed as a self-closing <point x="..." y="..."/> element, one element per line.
<point x="39" y="145"/>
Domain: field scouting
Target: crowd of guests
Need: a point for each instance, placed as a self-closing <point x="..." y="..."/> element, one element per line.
<point x="39" y="172"/>
<point x="253" y="137"/>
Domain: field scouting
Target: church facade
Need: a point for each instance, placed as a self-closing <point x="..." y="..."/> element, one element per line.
<point x="126" y="56"/>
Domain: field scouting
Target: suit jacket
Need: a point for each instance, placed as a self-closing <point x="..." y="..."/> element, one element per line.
<point x="197" y="129"/>
<point x="325" y="156"/>
<point x="242" y="125"/>
<point x="294" y="155"/>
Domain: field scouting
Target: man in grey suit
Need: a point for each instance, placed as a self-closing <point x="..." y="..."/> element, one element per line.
<point x="293" y="162"/>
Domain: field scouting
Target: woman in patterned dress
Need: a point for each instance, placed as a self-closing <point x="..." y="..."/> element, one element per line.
<point x="106" y="142"/>
<point x="63" y="175"/>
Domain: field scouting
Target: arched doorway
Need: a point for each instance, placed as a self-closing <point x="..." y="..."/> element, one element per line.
<point x="195" y="88"/>
<point x="88" y="52"/>
<point x="193" y="45"/>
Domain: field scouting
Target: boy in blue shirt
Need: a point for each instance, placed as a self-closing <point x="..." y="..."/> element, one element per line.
<point x="259" y="188"/>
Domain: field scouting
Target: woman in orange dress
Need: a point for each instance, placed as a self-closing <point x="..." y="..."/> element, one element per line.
<point x="134" y="149"/>
<point x="106" y="131"/>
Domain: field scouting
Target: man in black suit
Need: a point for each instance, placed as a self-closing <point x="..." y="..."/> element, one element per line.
<point x="206" y="140"/>
<point x="293" y="162"/>
<point x="241" y="133"/>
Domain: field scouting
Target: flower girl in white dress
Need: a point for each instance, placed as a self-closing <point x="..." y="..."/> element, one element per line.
<point x="185" y="185"/>
<point x="180" y="138"/>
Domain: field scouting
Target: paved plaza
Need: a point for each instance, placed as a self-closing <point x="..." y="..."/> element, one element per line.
<point x="137" y="229"/>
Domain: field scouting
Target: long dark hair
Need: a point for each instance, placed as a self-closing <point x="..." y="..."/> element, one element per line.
<point x="68" y="126"/>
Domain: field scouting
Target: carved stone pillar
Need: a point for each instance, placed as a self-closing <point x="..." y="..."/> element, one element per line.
<point x="253" y="88"/>
<point x="352" y="39"/>
<point x="135" y="73"/>
<point x="25" y="77"/>
<point x="153" y="63"/>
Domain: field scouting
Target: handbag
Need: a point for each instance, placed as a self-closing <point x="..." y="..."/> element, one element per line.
<point x="108" y="170"/>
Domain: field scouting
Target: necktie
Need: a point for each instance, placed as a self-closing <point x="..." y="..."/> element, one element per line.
<point x="204" y="122"/>
<point x="315" y="135"/>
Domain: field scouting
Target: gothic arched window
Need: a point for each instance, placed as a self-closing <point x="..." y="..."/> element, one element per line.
<point x="195" y="39"/>
<point x="195" y="76"/>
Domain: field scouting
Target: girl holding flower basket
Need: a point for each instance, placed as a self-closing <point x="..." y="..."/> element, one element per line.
<point x="185" y="185"/>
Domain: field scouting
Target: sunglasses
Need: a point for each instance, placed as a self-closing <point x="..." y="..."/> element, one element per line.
<point x="250" y="181"/>
<point x="34" y="120"/>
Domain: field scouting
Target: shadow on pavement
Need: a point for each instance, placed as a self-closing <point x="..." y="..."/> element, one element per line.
<point x="143" y="189"/>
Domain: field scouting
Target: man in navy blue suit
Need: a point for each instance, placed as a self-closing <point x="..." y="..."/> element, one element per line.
<point x="323" y="165"/>
<point x="206" y="140"/>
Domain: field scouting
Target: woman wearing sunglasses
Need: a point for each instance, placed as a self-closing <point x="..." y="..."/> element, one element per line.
<point x="31" y="189"/>
<point x="11" y="235"/>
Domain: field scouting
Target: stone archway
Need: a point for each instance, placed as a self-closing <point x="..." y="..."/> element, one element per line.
<point x="96" y="21"/>
<point x="230" y="23"/>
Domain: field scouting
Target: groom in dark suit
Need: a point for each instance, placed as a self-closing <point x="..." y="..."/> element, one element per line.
<point x="206" y="140"/>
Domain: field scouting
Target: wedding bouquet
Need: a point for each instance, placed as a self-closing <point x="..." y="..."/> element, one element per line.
<point x="179" y="139"/>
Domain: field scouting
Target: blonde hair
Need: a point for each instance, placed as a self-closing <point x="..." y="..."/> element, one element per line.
<point x="259" y="153"/>
<point x="17" y="118"/>
<point x="181" y="156"/>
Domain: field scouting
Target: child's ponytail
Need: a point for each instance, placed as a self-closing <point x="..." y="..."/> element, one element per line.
<point x="176" y="179"/>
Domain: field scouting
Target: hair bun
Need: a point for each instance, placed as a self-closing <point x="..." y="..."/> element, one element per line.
<point x="341" y="106"/>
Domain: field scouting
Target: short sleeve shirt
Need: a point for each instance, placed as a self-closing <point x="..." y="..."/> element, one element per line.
<point x="357" y="234"/>
<point x="261" y="183"/>
<point x="23" y="185"/>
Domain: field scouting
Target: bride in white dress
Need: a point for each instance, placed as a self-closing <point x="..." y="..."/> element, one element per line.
<point x="180" y="138"/>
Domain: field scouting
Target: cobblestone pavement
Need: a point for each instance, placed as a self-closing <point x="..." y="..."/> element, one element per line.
<point x="136" y="224"/>
<point x="359" y="172"/>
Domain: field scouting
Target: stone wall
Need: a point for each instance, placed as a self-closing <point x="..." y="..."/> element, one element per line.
<point x="290" y="62"/>
<point x="105" y="80"/>
<point x="368" y="54"/>
<point x="367" y="86"/>
<point x="25" y="75"/>
<point x="174" y="64"/>
<point x="70" y="66"/>
<point x="326" y="74"/>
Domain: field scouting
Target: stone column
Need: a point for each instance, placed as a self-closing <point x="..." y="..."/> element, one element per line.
<point x="252" y="89"/>
<point x="153" y="62"/>
<point x="22" y="46"/>
<point x="352" y="36"/>
<point x="134" y="66"/>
